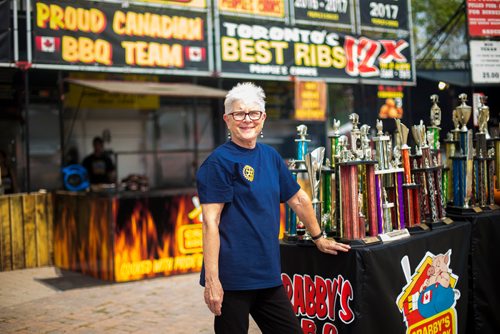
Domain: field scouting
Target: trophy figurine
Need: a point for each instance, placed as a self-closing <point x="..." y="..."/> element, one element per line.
<point x="314" y="164"/>
<point x="302" y="143"/>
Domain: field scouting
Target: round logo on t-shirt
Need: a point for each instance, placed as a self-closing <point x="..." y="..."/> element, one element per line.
<point x="248" y="173"/>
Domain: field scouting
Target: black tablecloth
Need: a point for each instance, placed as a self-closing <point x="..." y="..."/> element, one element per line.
<point x="365" y="290"/>
<point x="484" y="311"/>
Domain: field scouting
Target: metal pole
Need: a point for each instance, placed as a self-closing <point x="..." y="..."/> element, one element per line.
<point x="27" y="130"/>
<point x="61" y="117"/>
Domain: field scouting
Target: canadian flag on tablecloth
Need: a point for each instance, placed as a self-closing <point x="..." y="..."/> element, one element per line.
<point x="195" y="53"/>
<point x="47" y="44"/>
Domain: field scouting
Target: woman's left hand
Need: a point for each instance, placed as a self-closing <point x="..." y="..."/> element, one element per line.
<point x="330" y="246"/>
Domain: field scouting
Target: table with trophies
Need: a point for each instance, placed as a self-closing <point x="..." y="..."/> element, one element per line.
<point x="410" y="217"/>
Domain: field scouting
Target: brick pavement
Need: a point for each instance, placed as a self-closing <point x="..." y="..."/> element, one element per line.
<point x="48" y="300"/>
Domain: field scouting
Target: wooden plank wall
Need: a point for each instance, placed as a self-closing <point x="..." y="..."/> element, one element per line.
<point x="26" y="237"/>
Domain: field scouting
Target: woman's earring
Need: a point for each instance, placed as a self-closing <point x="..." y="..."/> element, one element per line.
<point x="229" y="135"/>
<point x="261" y="134"/>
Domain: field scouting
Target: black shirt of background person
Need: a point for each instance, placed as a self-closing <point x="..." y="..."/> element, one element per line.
<point x="99" y="168"/>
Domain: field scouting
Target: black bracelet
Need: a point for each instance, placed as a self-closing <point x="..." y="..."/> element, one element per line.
<point x="316" y="237"/>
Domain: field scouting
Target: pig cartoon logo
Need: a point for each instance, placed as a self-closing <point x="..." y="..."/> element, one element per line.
<point x="430" y="293"/>
<point x="436" y="294"/>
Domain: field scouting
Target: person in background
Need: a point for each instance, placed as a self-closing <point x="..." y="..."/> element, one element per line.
<point x="240" y="186"/>
<point x="8" y="182"/>
<point x="99" y="165"/>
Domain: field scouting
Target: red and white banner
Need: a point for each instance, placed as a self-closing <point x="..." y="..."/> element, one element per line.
<point x="483" y="18"/>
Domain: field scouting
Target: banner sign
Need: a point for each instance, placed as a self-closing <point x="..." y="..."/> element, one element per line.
<point x="485" y="61"/>
<point x="390" y="101"/>
<point x="310" y="100"/>
<point x="184" y="3"/>
<point x="5" y="34"/>
<point x="384" y="14"/>
<point x="483" y="18"/>
<point x="418" y="285"/>
<point x="337" y="13"/>
<point x="276" y="51"/>
<point x="255" y="8"/>
<point x="100" y="35"/>
<point x="79" y="97"/>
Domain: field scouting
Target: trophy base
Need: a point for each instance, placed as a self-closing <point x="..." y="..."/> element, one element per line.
<point x="355" y="243"/>
<point x="490" y="207"/>
<point x="446" y="221"/>
<point x="290" y="239"/>
<point x="459" y="211"/>
<point x="418" y="228"/>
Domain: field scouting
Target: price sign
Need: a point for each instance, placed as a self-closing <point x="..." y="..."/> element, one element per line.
<point x="384" y="14"/>
<point x="331" y="12"/>
<point x="485" y="61"/>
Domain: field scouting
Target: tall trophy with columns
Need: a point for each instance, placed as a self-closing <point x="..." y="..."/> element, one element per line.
<point x="314" y="165"/>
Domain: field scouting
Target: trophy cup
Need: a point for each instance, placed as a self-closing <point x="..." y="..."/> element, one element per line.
<point x="388" y="183"/>
<point x="410" y="188"/>
<point x="314" y="162"/>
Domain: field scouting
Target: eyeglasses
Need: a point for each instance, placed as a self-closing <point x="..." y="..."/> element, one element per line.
<point x="240" y="115"/>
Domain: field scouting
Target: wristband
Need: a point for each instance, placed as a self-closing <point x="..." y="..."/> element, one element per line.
<point x="316" y="237"/>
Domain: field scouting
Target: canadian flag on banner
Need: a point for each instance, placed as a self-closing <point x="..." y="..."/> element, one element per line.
<point x="195" y="53"/>
<point x="47" y="44"/>
<point x="427" y="296"/>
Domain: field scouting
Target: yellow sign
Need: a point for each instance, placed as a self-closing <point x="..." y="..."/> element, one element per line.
<point x="274" y="8"/>
<point x="310" y="100"/>
<point x="186" y="3"/>
<point x="80" y="97"/>
<point x="190" y="238"/>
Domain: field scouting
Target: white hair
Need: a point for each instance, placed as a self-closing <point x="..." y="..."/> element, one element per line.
<point x="246" y="92"/>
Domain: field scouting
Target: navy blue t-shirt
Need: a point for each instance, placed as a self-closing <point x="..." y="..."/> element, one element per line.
<point x="251" y="183"/>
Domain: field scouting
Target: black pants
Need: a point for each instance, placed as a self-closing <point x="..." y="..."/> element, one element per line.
<point x="270" y="308"/>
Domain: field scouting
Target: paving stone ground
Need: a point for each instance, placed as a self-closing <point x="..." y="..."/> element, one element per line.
<point x="49" y="300"/>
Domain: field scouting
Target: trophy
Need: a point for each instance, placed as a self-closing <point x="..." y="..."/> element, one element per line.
<point x="410" y="188"/>
<point x="483" y="161"/>
<point x="388" y="183"/>
<point x="497" y="157"/>
<point x="327" y="184"/>
<point x="428" y="173"/>
<point x="314" y="162"/>
<point x="462" y="160"/>
<point x="331" y="181"/>
<point x="290" y="215"/>
<point x="295" y="229"/>
<point x="355" y="208"/>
